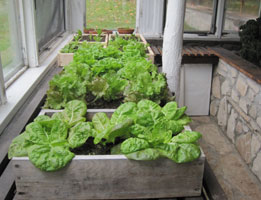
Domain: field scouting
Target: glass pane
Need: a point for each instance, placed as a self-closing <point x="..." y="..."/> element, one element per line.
<point x="111" y="14"/>
<point x="10" y="48"/>
<point x="49" y="20"/>
<point x="198" y="15"/>
<point x="240" y="11"/>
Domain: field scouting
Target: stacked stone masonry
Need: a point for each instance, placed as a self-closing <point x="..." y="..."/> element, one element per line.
<point x="236" y="104"/>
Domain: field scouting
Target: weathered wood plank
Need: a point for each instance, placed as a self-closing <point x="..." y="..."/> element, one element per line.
<point x="155" y="50"/>
<point x="89" y="114"/>
<point x="6" y="181"/>
<point x="160" y="49"/>
<point x="109" y="177"/>
<point x="194" y="52"/>
<point x="200" y="51"/>
<point x="212" y="185"/>
<point x="64" y="58"/>
<point x="193" y="198"/>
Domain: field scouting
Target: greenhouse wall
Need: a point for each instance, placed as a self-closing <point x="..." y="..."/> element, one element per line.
<point x="236" y="104"/>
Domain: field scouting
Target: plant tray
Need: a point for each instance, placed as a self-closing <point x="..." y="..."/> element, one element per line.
<point x="86" y="37"/>
<point x="108" y="177"/>
<point x="139" y="37"/>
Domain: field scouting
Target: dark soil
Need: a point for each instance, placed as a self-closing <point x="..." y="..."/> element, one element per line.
<point x="89" y="148"/>
<point x="126" y="38"/>
<point x="100" y="103"/>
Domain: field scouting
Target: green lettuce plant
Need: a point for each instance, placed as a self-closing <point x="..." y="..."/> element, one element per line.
<point x="146" y="131"/>
<point x="47" y="141"/>
<point x="157" y="133"/>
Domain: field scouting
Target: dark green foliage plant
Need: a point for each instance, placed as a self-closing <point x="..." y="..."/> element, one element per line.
<point x="250" y="37"/>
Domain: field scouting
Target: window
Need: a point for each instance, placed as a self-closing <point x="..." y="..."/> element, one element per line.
<point x="240" y="11"/>
<point x="49" y="21"/>
<point x="199" y="15"/>
<point x="110" y="14"/>
<point x="10" y="41"/>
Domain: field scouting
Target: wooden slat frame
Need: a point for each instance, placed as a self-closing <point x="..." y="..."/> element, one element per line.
<point x="114" y="175"/>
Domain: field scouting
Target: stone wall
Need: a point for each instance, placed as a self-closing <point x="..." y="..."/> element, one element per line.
<point x="236" y="104"/>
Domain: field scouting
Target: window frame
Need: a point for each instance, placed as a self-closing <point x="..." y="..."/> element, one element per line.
<point x="218" y="21"/>
<point x="213" y="23"/>
<point x="2" y="85"/>
<point x="52" y="40"/>
<point x="15" y="6"/>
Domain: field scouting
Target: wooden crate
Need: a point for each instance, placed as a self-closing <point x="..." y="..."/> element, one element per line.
<point x="139" y="36"/>
<point x="88" y="35"/>
<point x="89" y="115"/>
<point x="64" y="59"/>
<point x="108" y="177"/>
<point x="151" y="55"/>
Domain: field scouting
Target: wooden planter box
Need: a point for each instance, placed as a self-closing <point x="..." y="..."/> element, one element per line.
<point x="108" y="177"/>
<point x="85" y="37"/>
<point x="150" y="54"/>
<point x="64" y="59"/>
<point x="138" y="36"/>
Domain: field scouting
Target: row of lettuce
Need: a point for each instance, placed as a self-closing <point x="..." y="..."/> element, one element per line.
<point x="120" y="72"/>
<point x="144" y="131"/>
<point x="139" y="128"/>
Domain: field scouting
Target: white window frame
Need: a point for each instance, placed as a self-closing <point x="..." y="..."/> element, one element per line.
<point x="17" y="90"/>
<point x="2" y="85"/>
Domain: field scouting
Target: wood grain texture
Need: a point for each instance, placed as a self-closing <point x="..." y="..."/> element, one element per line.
<point x="64" y="59"/>
<point x="109" y="177"/>
<point x="89" y="114"/>
<point x="6" y="181"/>
<point x="151" y="55"/>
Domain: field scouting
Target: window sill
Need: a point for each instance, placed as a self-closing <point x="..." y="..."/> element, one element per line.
<point x="20" y="90"/>
<point x="231" y="37"/>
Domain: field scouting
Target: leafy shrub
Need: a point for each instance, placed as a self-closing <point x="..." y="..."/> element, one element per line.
<point x="250" y="36"/>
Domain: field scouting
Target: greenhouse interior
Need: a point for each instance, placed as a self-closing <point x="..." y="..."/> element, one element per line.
<point x="130" y="99"/>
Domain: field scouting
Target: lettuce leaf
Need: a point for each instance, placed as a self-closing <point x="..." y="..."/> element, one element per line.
<point x="145" y="154"/>
<point x="19" y="146"/>
<point x="134" y="144"/>
<point x="73" y="113"/>
<point x="50" y="157"/>
<point x="187" y="137"/>
<point x="79" y="134"/>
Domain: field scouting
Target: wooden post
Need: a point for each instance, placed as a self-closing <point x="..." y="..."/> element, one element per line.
<point x="173" y="42"/>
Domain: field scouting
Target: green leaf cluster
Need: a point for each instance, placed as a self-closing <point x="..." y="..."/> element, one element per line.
<point x="147" y="130"/>
<point x="118" y="72"/>
<point x="47" y="141"/>
<point x="156" y="132"/>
